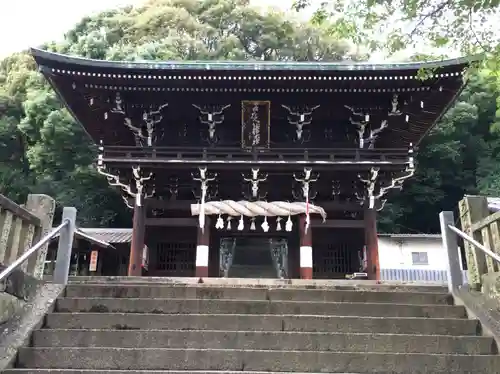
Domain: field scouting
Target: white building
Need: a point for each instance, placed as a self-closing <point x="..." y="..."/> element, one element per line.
<point x="412" y="257"/>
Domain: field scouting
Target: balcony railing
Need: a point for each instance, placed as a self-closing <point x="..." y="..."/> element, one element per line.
<point x="178" y="155"/>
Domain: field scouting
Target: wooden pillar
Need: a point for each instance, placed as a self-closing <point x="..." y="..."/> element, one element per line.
<point x="214" y="256"/>
<point x="202" y="249"/>
<point x="306" y="251"/>
<point x="293" y="258"/>
<point x="137" y="245"/>
<point x="371" y="242"/>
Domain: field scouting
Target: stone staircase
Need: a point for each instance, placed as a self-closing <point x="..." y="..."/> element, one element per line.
<point x="252" y="271"/>
<point x="183" y="329"/>
<point x="252" y="259"/>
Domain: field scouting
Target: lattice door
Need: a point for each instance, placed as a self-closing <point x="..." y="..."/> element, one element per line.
<point x="175" y="259"/>
<point x="338" y="256"/>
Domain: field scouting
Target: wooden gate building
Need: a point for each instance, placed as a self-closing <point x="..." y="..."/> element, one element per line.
<point x="255" y="169"/>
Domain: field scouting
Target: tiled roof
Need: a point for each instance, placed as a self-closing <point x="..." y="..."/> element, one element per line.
<point x="43" y="56"/>
<point x="494" y="203"/>
<point x="412" y="236"/>
<point x="112" y="236"/>
<point x="125" y="235"/>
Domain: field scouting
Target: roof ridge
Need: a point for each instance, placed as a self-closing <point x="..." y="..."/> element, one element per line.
<point x="346" y="66"/>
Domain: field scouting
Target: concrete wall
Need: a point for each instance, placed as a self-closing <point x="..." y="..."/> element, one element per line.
<point x="396" y="252"/>
<point x="396" y="262"/>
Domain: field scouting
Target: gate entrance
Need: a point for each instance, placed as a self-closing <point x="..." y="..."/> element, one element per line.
<point x="261" y="143"/>
<point x="172" y="251"/>
<point x="175" y="259"/>
<point x="337" y="252"/>
<point x="253" y="257"/>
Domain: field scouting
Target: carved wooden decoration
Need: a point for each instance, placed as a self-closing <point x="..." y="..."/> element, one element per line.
<point x="255" y="124"/>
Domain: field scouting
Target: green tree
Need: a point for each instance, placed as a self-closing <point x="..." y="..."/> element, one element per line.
<point x="43" y="150"/>
<point x="466" y="25"/>
<point x="459" y="156"/>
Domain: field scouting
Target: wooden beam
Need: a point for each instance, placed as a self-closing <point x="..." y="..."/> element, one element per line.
<point x="486" y="221"/>
<point x="170" y="204"/>
<point x="192" y="222"/>
<point x="18" y="211"/>
<point x="186" y="205"/>
<point x="172" y="222"/>
<point x="338" y="224"/>
<point x="177" y="164"/>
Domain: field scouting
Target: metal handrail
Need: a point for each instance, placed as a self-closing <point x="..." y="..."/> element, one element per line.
<point x="10" y="269"/>
<point x="475" y="243"/>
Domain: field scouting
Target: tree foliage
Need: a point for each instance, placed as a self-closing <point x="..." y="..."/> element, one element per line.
<point x="43" y="150"/>
<point x="428" y="26"/>
<point x="460" y="156"/>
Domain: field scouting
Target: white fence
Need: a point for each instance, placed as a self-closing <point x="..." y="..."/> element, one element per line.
<point x="417" y="275"/>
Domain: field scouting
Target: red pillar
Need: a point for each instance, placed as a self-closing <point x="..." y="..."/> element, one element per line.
<point x="202" y="248"/>
<point x="306" y="251"/>
<point x="137" y="245"/>
<point x="371" y="242"/>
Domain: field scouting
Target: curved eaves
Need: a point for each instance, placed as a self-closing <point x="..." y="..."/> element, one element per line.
<point x="53" y="59"/>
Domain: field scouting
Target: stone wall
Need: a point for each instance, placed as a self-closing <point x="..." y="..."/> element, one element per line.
<point x="8" y="306"/>
<point x="21" y="226"/>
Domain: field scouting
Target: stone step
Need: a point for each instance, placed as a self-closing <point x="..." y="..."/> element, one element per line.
<point x="245" y="322"/>
<point x="84" y="371"/>
<point x="342" y="284"/>
<point x="265" y="340"/>
<point x="253" y="360"/>
<point x="188" y="306"/>
<point x="250" y="293"/>
<point x="253" y="271"/>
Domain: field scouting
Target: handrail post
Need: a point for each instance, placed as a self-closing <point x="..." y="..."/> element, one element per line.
<point x="65" y="246"/>
<point x="450" y="244"/>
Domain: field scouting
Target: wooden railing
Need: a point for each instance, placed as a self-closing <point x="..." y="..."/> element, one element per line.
<point x="483" y="226"/>
<point x="398" y="156"/>
<point x="21" y="226"/>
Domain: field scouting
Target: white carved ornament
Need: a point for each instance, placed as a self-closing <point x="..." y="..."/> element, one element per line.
<point x="211" y="116"/>
<point x="254" y="182"/>
<point x="362" y="124"/>
<point x="300" y="118"/>
<point x="203" y="179"/>
<point x="139" y="195"/>
<point x="151" y="119"/>
<point x="396" y="183"/>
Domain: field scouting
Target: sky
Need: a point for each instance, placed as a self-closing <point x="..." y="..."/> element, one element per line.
<point x="29" y="23"/>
